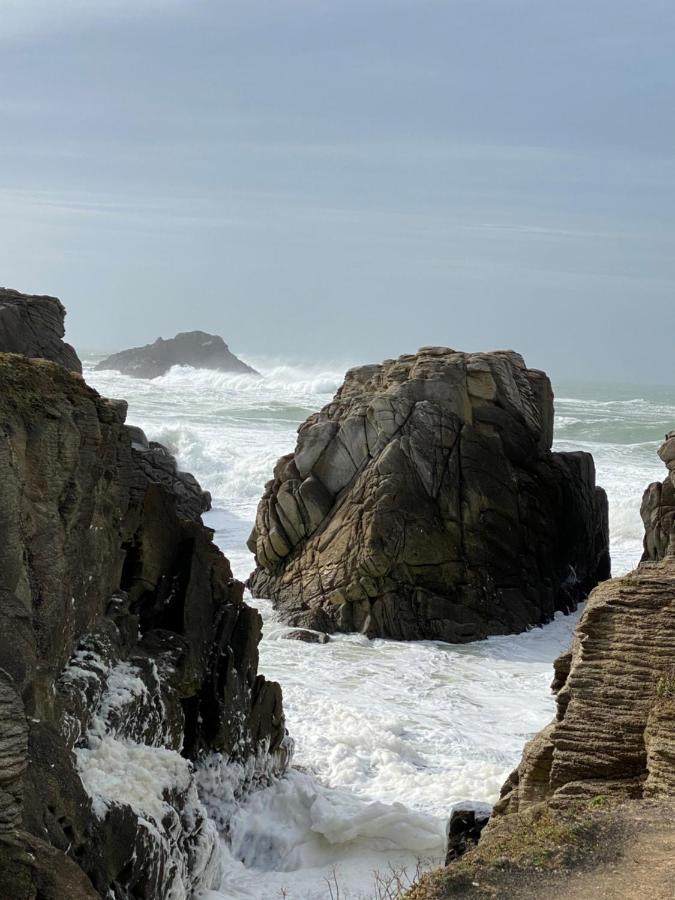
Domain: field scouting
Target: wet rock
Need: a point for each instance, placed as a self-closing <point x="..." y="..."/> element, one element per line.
<point x="122" y="631"/>
<point x="424" y="501"/>
<point x="160" y="466"/>
<point x="190" y="348"/>
<point x="34" y="326"/>
<point x="309" y="637"/>
<point x="464" y="830"/>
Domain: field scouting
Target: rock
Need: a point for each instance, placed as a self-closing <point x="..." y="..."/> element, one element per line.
<point x="190" y="348"/>
<point x="160" y="466"/>
<point x="425" y="502"/>
<point x="595" y="789"/>
<point x="658" y="508"/>
<point x="34" y="327"/>
<point x="464" y="830"/>
<point x="124" y="640"/>
<point x="309" y="637"/>
<point x="613" y="724"/>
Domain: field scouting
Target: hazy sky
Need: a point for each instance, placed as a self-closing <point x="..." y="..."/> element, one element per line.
<point x="348" y="179"/>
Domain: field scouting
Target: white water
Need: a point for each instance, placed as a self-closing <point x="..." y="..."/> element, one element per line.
<point x="388" y="735"/>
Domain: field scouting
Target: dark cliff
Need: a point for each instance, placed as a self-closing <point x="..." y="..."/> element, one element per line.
<point x="34" y="326"/>
<point x="128" y="660"/>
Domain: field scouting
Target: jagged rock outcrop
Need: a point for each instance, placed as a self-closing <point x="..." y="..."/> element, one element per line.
<point x="160" y="466"/>
<point x="425" y="502"/>
<point x="34" y="326"/>
<point x="190" y="348"/>
<point x="614" y="734"/>
<point x="658" y="508"/>
<point x="127" y="657"/>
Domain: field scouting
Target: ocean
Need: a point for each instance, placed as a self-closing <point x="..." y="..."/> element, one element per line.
<point x="388" y="735"/>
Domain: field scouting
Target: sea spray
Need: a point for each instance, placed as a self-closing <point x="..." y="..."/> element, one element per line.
<point x="388" y="735"/>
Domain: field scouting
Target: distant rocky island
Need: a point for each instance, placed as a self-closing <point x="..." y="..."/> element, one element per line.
<point x="189" y="348"/>
<point x="425" y="501"/>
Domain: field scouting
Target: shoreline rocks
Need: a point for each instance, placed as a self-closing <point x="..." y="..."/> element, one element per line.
<point x="601" y="775"/>
<point x="34" y="326"/>
<point x="125" y="648"/>
<point x="425" y="502"/>
<point x="190" y="348"/>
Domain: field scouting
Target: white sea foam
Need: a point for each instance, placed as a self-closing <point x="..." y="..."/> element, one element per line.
<point x="388" y="735"/>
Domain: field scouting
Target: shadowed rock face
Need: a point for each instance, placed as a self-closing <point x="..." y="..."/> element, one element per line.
<point x="120" y="626"/>
<point x="425" y="502"/>
<point x="190" y="348"/>
<point x="658" y="508"/>
<point x="34" y="327"/>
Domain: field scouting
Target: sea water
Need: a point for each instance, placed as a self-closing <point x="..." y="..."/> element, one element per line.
<point x="388" y="735"/>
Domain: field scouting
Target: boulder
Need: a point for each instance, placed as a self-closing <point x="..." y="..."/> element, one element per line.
<point x="425" y="501"/>
<point x="34" y="326"/>
<point x="308" y="637"/>
<point x="190" y="348"/>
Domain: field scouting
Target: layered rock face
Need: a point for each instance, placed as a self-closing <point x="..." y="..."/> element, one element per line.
<point x="614" y="733"/>
<point x="127" y="658"/>
<point x="190" y="348"/>
<point x="425" y="502"/>
<point x="34" y="326"/>
<point x="658" y="508"/>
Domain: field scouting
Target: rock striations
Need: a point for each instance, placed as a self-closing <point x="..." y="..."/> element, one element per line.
<point x="425" y="502"/>
<point x="34" y="326"/>
<point x="190" y="348"/>
<point x="128" y="660"/>
<point x="604" y="770"/>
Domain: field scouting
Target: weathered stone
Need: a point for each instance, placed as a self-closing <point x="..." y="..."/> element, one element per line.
<point x="34" y="326"/>
<point x="308" y="637"/>
<point x="190" y="348"/>
<point x="658" y="508"/>
<point x="101" y="574"/>
<point x="424" y="502"/>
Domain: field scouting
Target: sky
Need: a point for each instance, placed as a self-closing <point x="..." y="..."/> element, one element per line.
<point x="348" y="179"/>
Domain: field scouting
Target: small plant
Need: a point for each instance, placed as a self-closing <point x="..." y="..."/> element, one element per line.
<point x="599" y="802"/>
<point x="665" y="686"/>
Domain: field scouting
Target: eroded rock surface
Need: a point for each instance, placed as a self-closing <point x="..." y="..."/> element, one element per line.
<point x="658" y="508"/>
<point x="34" y="326"/>
<point x="614" y="734"/>
<point x="425" y="502"/>
<point x="589" y="810"/>
<point x="127" y="657"/>
<point x="190" y="348"/>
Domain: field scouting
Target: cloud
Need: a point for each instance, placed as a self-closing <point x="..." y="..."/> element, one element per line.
<point x="24" y="18"/>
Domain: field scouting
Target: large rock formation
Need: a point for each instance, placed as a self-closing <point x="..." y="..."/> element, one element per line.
<point x="425" y="502"/>
<point x="190" y="348"/>
<point x="128" y="660"/>
<point x="34" y="326"/>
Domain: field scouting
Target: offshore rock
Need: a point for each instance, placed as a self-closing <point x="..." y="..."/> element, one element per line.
<point x="127" y="656"/>
<point x="34" y="327"/>
<point x="190" y="348"/>
<point x="425" y="502"/>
